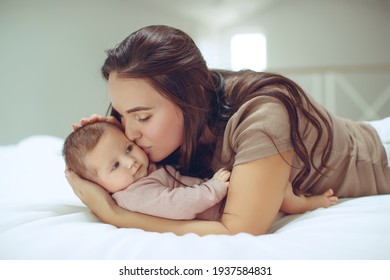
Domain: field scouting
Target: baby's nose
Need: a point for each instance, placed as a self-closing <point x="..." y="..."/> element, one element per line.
<point x="130" y="163"/>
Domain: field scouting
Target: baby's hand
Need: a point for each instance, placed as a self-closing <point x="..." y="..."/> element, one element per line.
<point x="222" y="175"/>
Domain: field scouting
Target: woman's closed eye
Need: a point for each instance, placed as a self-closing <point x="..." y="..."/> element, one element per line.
<point x="142" y="119"/>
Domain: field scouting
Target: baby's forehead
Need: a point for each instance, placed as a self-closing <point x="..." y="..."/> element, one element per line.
<point x="91" y="168"/>
<point x="91" y="163"/>
<point x="114" y="133"/>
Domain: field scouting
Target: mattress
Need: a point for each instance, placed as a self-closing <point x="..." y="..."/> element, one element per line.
<point x="42" y="219"/>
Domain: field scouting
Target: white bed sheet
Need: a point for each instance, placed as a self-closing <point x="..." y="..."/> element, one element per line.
<point x="41" y="218"/>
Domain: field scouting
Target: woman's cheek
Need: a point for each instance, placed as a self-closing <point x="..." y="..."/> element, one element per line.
<point x="167" y="137"/>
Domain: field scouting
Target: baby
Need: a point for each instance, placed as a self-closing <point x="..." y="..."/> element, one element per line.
<point x="100" y="152"/>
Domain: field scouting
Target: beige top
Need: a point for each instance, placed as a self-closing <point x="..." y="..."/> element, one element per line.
<point x="358" y="160"/>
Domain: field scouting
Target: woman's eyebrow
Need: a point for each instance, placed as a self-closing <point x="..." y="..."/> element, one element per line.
<point x="139" y="108"/>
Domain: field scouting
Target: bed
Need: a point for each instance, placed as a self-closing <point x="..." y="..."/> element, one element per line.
<point x="41" y="218"/>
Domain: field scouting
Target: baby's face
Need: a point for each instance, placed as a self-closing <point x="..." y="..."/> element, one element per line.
<point x="118" y="162"/>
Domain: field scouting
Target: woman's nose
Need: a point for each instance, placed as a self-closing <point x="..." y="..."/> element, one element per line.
<point x="132" y="134"/>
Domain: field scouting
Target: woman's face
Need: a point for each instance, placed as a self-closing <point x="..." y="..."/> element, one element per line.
<point x="150" y="120"/>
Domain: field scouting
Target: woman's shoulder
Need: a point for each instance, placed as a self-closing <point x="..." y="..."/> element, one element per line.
<point x="260" y="113"/>
<point x="259" y="128"/>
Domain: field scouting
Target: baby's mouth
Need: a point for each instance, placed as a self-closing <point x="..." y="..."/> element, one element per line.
<point x="136" y="168"/>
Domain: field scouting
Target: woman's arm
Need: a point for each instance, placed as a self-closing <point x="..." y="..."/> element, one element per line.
<point x="254" y="198"/>
<point x="105" y="208"/>
<point x="256" y="192"/>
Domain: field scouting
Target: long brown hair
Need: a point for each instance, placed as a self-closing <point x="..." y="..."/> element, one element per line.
<point x="171" y="62"/>
<point x="244" y="85"/>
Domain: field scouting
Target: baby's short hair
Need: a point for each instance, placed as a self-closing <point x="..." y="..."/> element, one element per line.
<point x="81" y="142"/>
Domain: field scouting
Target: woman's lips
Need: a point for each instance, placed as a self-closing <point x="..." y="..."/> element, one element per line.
<point x="145" y="149"/>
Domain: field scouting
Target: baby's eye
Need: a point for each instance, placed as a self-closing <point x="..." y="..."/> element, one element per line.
<point x="115" y="165"/>
<point x="129" y="148"/>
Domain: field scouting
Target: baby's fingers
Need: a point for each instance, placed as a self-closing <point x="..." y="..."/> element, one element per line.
<point x="222" y="174"/>
<point x="225" y="174"/>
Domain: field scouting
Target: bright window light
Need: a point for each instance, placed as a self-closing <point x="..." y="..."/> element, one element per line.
<point x="249" y="51"/>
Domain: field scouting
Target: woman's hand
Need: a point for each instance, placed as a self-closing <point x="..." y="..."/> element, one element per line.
<point x="92" y="195"/>
<point x="96" y="118"/>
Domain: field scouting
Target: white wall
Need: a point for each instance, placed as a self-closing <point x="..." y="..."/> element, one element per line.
<point x="51" y="51"/>
<point x="328" y="33"/>
<point x="337" y="50"/>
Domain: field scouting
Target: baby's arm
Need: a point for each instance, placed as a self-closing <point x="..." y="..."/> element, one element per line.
<point x="293" y="204"/>
<point x="157" y="197"/>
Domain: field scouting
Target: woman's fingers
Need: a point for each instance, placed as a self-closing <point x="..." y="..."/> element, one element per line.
<point x="74" y="181"/>
<point x="96" y="118"/>
<point x="86" y="190"/>
<point x="114" y="121"/>
<point x="91" y="194"/>
<point x="76" y="126"/>
<point x="92" y="119"/>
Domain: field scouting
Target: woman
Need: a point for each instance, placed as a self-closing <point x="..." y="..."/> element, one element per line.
<point x="261" y="126"/>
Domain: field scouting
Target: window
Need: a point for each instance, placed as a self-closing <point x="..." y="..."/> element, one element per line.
<point x="248" y="51"/>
